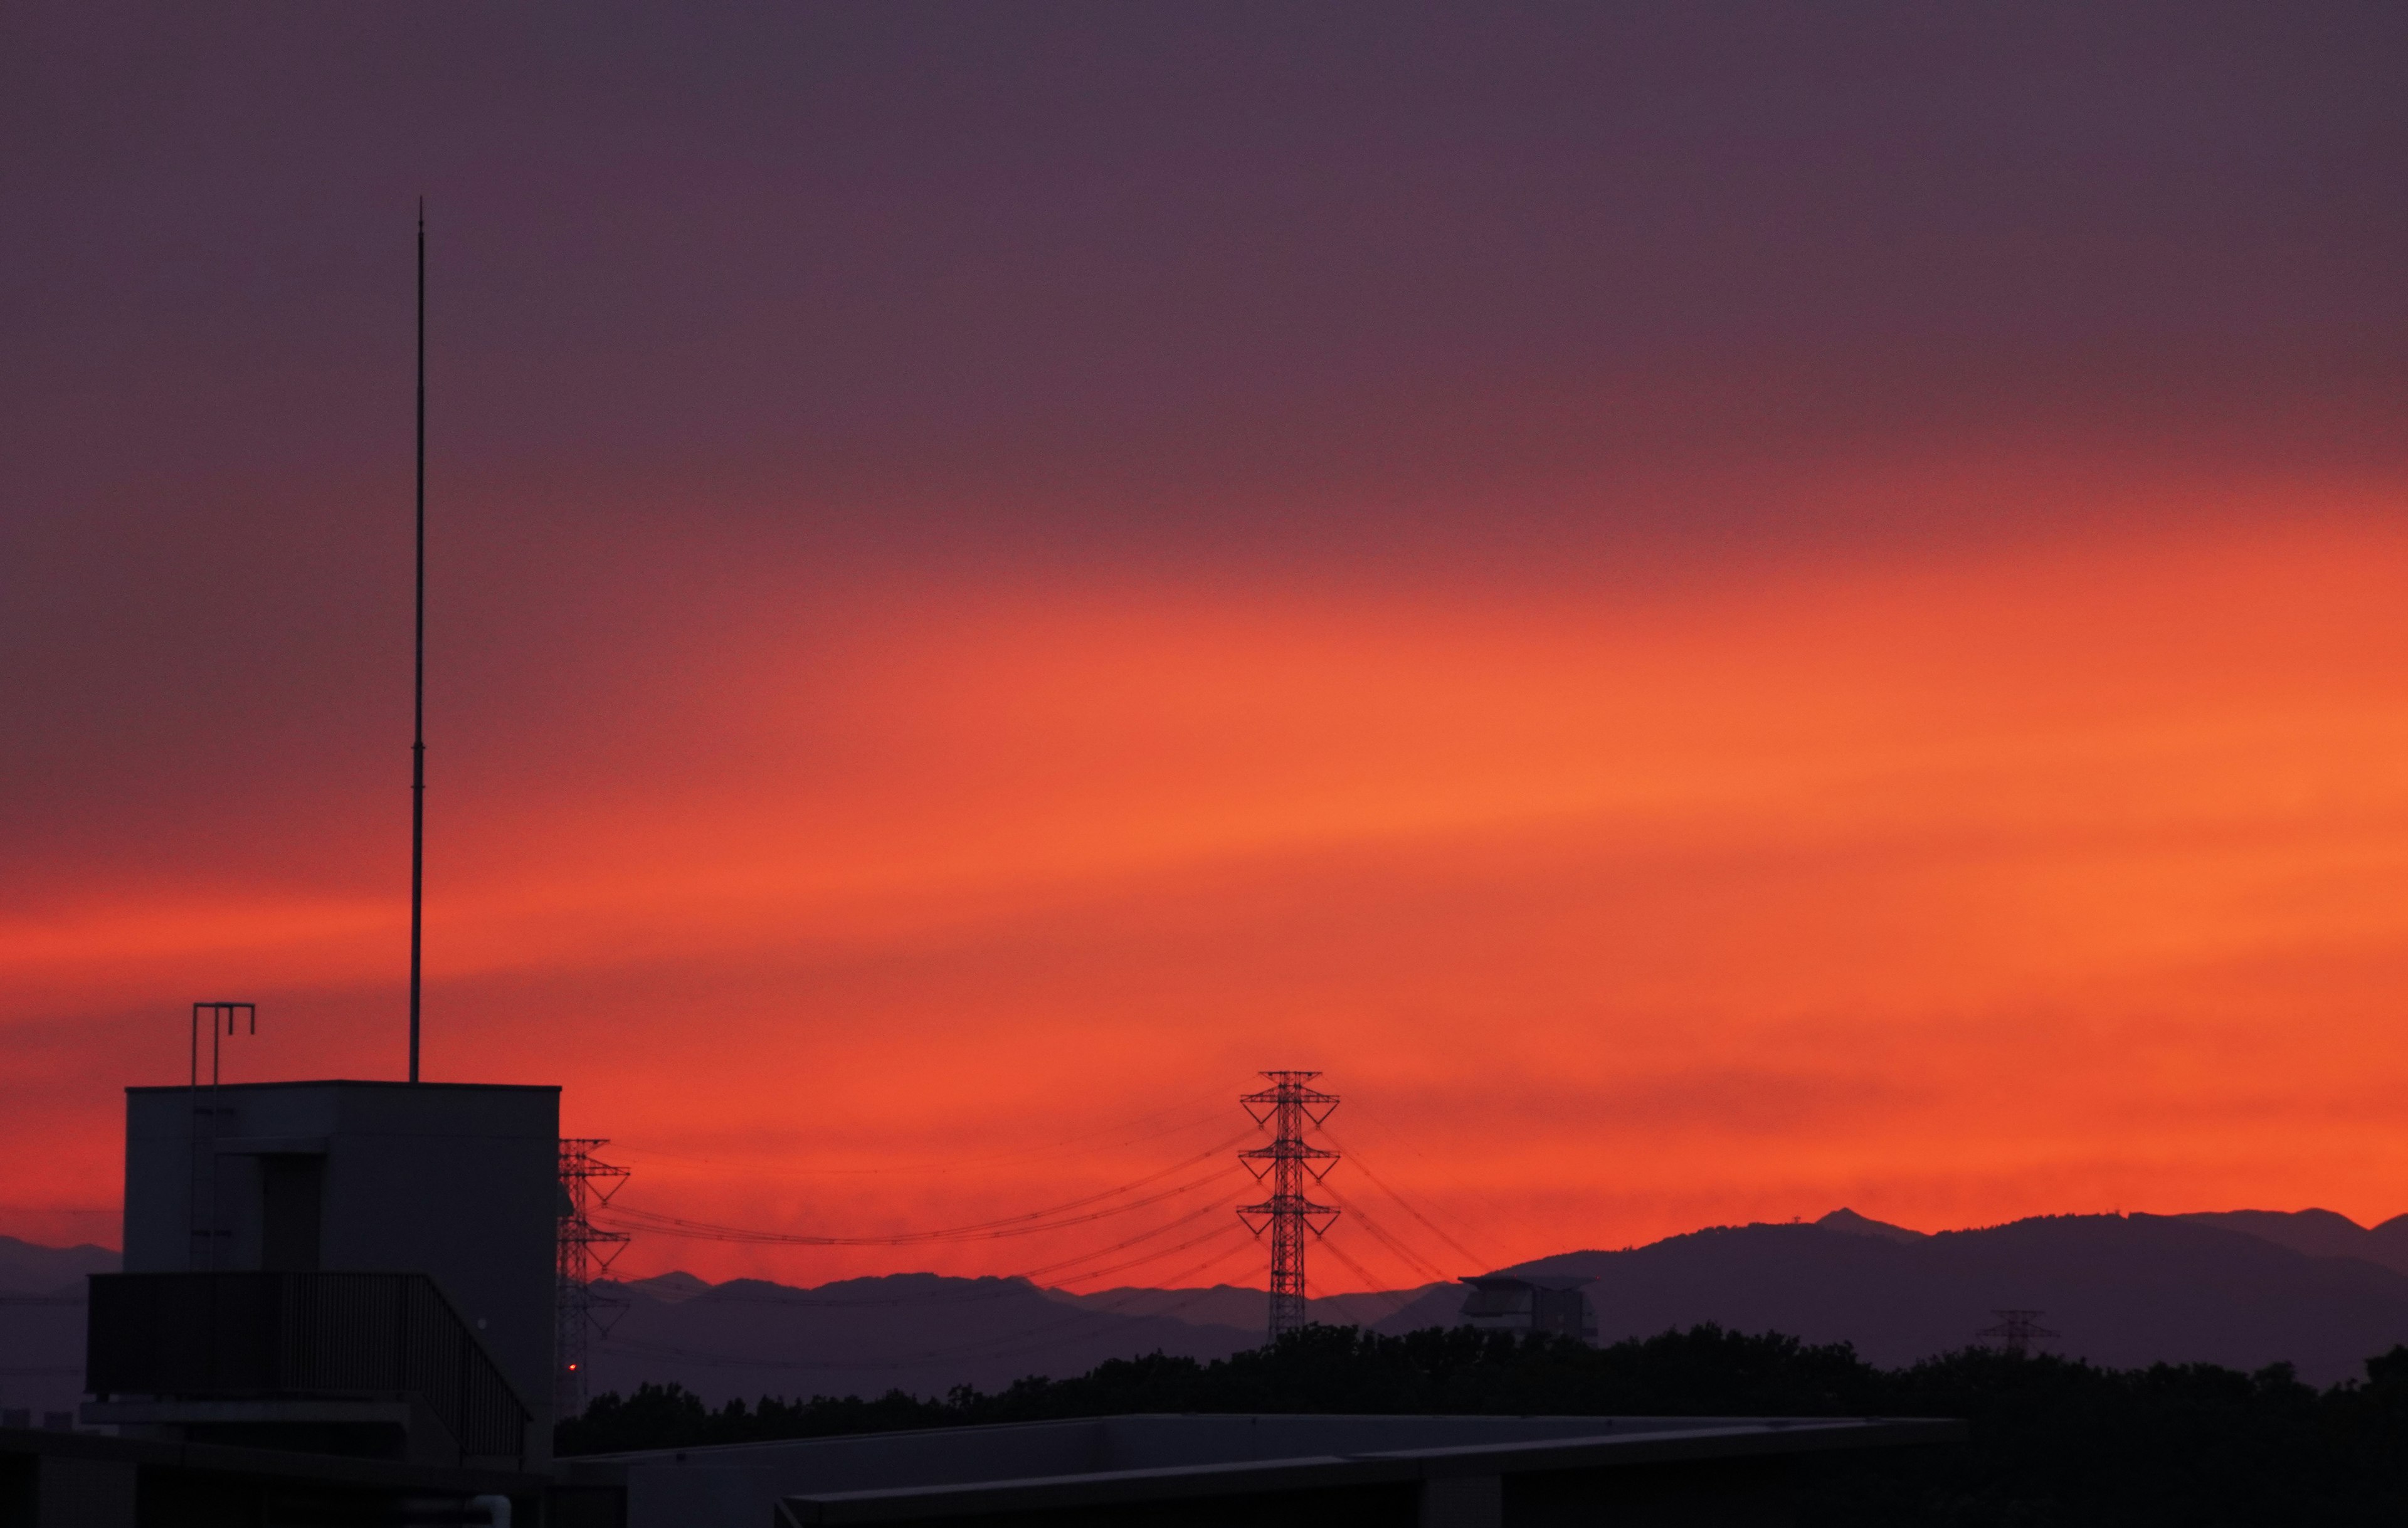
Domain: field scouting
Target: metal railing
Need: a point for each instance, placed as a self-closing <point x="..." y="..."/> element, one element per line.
<point x="267" y="1336"/>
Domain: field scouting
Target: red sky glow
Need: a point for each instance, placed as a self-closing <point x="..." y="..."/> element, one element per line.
<point x="1689" y="701"/>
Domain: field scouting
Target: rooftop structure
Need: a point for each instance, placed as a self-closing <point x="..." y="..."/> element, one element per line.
<point x="356" y="1268"/>
<point x="1530" y="1303"/>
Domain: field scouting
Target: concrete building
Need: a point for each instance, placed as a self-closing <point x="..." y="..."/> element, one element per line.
<point x="1255" y="1472"/>
<point x="1530" y="1303"/>
<point x="360" y="1268"/>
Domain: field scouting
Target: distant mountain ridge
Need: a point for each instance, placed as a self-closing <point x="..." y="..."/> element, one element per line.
<point x="2125" y="1291"/>
<point x="1248" y="1310"/>
<point x="41" y="1322"/>
<point x="2318" y="1233"/>
<point x="2242" y="1288"/>
<point x="921" y="1333"/>
<point x="29" y="1267"/>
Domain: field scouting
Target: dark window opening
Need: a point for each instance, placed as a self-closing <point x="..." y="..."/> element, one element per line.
<point x="291" y="1191"/>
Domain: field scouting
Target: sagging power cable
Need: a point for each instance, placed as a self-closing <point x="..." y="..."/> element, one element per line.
<point x="1406" y="1205"/>
<point x="997" y="1286"/>
<point x="1412" y="1260"/>
<point x="1053" y="1217"/>
<point x="1032" y="1275"/>
<point x="1223" y="1229"/>
<point x="983" y="1347"/>
<point x="1401" y="1299"/>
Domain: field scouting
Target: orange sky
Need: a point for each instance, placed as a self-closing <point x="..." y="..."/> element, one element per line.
<point x="1718" y="611"/>
<point x="2062" y="874"/>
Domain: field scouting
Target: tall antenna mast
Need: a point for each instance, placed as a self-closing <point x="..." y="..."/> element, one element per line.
<point x="418" y="728"/>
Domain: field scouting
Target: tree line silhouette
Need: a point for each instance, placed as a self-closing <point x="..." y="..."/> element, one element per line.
<point x="2053" y="1440"/>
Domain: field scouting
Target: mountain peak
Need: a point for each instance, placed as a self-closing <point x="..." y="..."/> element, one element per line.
<point x="1851" y="1223"/>
<point x="671" y="1287"/>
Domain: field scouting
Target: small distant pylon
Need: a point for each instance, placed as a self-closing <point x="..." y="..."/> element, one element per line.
<point x="1287" y="1165"/>
<point x="583" y="1254"/>
<point x="2016" y="1331"/>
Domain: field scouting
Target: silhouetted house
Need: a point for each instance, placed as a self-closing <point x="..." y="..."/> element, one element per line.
<point x="1530" y="1303"/>
<point x="351" y="1268"/>
<point x="1255" y="1472"/>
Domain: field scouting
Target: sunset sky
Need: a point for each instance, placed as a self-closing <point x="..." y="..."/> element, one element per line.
<point x="1716" y="609"/>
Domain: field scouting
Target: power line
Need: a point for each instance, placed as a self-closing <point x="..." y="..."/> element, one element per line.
<point x="995" y="1286"/>
<point x="1406" y="1205"/>
<point x="1214" y="1234"/>
<point x="668" y="1225"/>
<point x="1400" y="1299"/>
<point x="1360" y="1272"/>
<point x="1287" y="1165"/>
<point x="1168" y="1310"/>
<point x="1215" y="1261"/>
<point x="1053" y="1217"/>
<point x="1496" y="1208"/>
<point x="1188" y="1219"/>
<point x="1412" y="1260"/>
<point x="938" y="1355"/>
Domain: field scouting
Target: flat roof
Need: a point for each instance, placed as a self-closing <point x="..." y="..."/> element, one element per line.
<point x="357" y="1082"/>
<point x="1114" y="1487"/>
<point x="1110" y="1461"/>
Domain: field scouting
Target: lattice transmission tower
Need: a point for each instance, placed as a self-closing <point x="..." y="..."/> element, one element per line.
<point x="1289" y="1168"/>
<point x="2016" y="1331"/>
<point x="583" y="1254"/>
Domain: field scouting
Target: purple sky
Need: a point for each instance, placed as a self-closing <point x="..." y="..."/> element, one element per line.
<point x="769" y="341"/>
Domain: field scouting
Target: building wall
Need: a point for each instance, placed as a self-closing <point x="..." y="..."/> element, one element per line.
<point x="1503" y="1304"/>
<point x="455" y="1181"/>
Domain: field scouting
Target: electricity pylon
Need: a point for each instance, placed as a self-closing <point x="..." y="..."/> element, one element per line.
<point x="2016" y="1330"/>
<point x="1289" y="1166"/>
<point x="585" y="1254"/>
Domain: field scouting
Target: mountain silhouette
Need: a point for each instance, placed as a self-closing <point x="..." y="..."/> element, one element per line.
<point x="2240" y="1287"/>
<point x="921" y="1333"/>
<point x="2319" y="1232"/>
<point x="927" y="1334"/>
<point x="2124" y="1290"/>
<point x="2243" y="1289"/>
<point x="29" y="1267"/>
<point x="1248" y="1310"/>
<point x="41" y="1322"/>
<point x="1858" y="1226"/>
